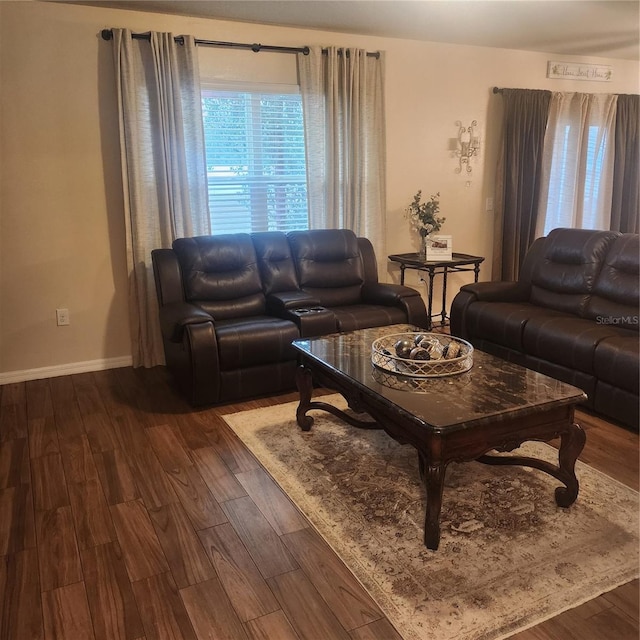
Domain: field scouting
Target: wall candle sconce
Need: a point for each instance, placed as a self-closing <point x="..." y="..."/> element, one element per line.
<point x="466" y="145"/>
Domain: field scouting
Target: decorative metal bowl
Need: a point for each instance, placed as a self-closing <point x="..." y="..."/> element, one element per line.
<point x="385" y="356"/>
<point x="403" y="382"/>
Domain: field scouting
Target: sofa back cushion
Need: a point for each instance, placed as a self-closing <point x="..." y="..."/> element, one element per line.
<point x="572" y="258"/>
<point x="275" y="262"/>
<point x="328" y="264"/>
<point x="220" y="274"/>
<point x="615" y="298"/>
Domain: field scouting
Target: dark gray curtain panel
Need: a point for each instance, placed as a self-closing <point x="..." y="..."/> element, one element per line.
<point x="524" y="123"/>
<point x="625" y="208"/>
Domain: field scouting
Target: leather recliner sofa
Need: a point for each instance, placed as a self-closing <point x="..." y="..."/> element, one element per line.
<point x="230" y="305"/>
<point x="572" y="314"/>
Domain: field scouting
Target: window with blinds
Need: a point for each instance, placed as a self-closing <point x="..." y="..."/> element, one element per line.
<point x="577" y="163"/>
<point x="564" y="183"/>
<point x="256" y="169"/>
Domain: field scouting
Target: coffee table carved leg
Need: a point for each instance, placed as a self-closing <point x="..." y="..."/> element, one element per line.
<point x="434" y="481"/>
<point x="304" y="382"/>
<point x="572" y="441"/>
<point x="571" y="445"/>
<point x="433" y="477"/>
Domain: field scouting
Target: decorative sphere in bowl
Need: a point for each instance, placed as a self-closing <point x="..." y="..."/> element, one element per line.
<point x="418" y="353"/>
<point x="433" y="347"/>
<point x="403" y="347"/>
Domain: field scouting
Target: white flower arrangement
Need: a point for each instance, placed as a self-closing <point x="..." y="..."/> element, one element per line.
<point x="424" y="215"/>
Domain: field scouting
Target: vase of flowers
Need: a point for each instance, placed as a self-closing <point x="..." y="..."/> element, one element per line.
<point x="423" y="217"/>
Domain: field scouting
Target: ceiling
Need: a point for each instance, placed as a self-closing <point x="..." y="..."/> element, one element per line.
<point x="606" y="28"/>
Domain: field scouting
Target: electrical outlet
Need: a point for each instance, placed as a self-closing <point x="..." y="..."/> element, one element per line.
<point x="62" y="317"/>
<point x="488" y="205"/>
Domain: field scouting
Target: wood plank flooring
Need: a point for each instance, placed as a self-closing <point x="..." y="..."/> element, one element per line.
<point x="125" y="514"/>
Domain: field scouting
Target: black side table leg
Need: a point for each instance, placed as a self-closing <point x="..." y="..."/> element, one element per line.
<point x="431" y="273"/>
<point x="443" y="313"/>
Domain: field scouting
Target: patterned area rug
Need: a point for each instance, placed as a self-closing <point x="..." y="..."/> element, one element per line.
<point x="508" y="558"/>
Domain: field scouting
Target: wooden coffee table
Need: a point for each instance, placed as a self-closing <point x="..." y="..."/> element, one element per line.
<point x="497" y="405"/>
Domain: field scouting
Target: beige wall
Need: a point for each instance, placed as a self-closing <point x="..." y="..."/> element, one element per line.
<point x="61" y="228"/>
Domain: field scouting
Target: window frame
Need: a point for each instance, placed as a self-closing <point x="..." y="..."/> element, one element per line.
<point x="263" y="211"/>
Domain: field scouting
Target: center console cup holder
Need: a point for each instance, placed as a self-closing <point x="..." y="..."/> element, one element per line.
<point x="309" y="310"/>
<point x="313" y="321"/>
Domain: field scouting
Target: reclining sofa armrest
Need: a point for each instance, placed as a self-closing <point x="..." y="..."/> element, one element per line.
<point x="499" y="291"/>
<point x="397" y="295"/>
<point x="279" y="303"/>
<point x="485" y="292"/>
<point x="167" y="275"/>
<point x="386" y="294"/>
<point x="176" y="316"/>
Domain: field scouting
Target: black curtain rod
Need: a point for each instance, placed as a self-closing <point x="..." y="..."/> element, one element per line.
<point x="107" y="34"/>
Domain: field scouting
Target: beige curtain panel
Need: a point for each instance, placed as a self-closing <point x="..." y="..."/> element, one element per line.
<point x="343" y="104"/>
<point x="163" y="166"/>
<point x="577" y="164"/>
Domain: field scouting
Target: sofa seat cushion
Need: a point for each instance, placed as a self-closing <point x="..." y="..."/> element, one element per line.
<point x="565" y="340"/>
<point x="364" y="316"/>
<point x="616" y="362"/>
<point x="503" y="322"/>
<point x="258" y="340"/>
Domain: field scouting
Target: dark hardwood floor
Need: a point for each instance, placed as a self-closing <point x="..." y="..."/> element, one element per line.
<point x="124" y="514"/>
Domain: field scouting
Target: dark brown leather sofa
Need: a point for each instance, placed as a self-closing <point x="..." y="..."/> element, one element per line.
<point x="573" y="315"/>
<point x="230" y="305"/>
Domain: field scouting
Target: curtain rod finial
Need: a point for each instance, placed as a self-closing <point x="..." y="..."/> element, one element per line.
<point x="106" y="34"/>
<point x="255" y="47"/>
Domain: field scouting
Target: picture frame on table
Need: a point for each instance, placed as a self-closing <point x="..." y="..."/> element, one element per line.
<point x="439" y="248"/>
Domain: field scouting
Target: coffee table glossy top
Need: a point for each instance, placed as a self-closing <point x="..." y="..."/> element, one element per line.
<point x="493" y="389"/>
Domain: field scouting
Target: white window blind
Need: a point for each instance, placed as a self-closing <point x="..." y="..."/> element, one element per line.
<point x="577" y="163"/>
<point x="256" y="169"/>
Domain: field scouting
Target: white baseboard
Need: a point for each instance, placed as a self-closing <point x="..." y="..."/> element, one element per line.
<point x="64" y="369"/>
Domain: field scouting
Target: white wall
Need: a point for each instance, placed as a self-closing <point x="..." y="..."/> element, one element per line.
<point x="61" y="223"/>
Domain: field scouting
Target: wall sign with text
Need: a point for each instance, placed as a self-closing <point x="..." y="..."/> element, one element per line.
<point x="579" y="71"/>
